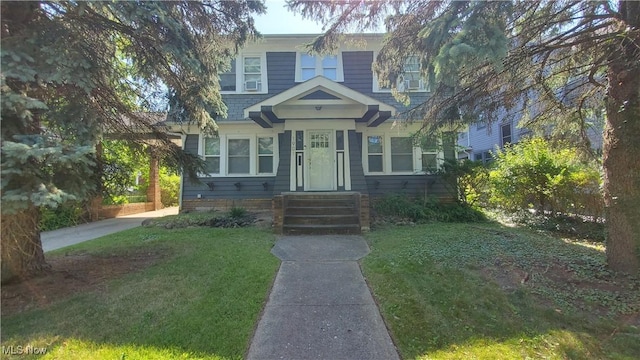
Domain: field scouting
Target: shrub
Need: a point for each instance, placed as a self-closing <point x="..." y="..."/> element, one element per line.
<point x="66" y="215"/>
<point x="533" y="174"/>
<point x="468" y="180"/>
<point x="169" y="187"/>
<point x="426" y="210"/>
<point x="237" y="212"/>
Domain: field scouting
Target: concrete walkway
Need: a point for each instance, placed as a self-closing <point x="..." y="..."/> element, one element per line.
<point x="56" y="239"/>
<point x="320" y="306"/>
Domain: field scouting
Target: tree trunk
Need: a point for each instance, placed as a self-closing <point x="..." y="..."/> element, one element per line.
<point x="621" y="161"/>
<point x="22" y="254"/>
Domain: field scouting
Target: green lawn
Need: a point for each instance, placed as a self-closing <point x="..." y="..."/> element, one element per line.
<point x="201" y="300"/>
<point x="446" y="291"/>
<point x="485" y="291"/>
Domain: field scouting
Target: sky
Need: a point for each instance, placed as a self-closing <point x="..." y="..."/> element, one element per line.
<point x="278" y="20"/>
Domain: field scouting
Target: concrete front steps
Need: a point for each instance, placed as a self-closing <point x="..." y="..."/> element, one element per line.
<point x="321" y="213"/>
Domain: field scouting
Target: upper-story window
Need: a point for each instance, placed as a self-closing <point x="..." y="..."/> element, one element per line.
<point x="228" y="79"/>
<point x="308" y="66"/>
<point x="252" y="73"/>
<point x="409" y="80"/>
<point x="250" y="76"/>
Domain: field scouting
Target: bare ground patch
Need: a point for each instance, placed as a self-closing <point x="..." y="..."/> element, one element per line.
<point x="71" y="274"/>
<point x="555" y="282"/>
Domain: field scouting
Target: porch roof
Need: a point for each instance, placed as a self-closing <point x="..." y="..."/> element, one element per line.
<point x="319" y="98"/>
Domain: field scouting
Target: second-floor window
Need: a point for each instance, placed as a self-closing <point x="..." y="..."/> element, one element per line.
<point x="309" y="66"/>
<point x="505" y="134"/>
<point x="247" y="75"/>
<point x="252" y="76"/>
<point x="228" y="79"/>
<point x="409" y="80"/>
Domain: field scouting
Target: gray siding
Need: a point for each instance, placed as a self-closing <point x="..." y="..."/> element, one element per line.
<point x="236" y="103"/>
<point x="284" y="165"/>
<point x="280" y="71"/>
<point x="358" y="182"/>
<point x="411" y="185"/>
<point x="357" y="70"/>
<point x="251" y="187"/>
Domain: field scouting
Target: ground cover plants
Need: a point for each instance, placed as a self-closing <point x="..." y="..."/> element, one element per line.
<point x="145" y="293"/>
<point x="486" y="291"/>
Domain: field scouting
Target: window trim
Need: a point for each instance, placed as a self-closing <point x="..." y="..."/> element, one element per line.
<point x="228" y="155"/>
<point x="240" y="74"/>
<point x="502" y="135"/>
<point x="202" y="149"/>
<point x="253" y="154"/>
<point x="423" y="88"/>
<point x="319" y="68"/>
<point x="272" y="155"/>
<point x="387" y="158"/>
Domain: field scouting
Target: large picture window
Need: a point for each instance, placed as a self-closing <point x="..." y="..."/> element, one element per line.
<point x="212" y="155"/>
<point x="239" y="156"/>
<point x="401" y="154"/>
<point x="375" y="150"/>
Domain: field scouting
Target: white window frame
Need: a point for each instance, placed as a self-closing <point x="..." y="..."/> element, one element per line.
<point x="272" y="155"/>
<point x="365" y="161"/>
<point x="201" y="152"/>
<point x="319" y="68"/>
<point x="387" y="158"/>
<point x="438" y="152"/>
<point x="251" y="151"/>
<point x="240" y="74"/>
<point x="235" y="77"/>
<point x="253" y="154"/>
<point x="377" y="89"/>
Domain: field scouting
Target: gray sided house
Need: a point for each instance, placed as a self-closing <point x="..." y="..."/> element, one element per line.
<point x="312" y="137"/>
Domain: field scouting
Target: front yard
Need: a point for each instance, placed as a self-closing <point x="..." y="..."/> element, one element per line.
<point x="147" y="293"/>
<point x="446" y="291"/>
<point x="486" y="291"/>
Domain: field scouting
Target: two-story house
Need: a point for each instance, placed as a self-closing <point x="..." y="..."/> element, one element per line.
<point x="301" y="124"/>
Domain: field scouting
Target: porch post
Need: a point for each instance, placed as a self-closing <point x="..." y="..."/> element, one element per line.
<point x="153" y="191"/>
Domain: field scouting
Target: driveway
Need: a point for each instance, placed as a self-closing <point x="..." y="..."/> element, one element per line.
<point x="57" y="239"/>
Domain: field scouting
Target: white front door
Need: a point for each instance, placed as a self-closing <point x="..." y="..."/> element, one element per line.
<point x="320" y="160"/>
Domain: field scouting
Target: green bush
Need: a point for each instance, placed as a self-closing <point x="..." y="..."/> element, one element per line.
<point x="67" y="215"/>
<point x="533" y="174"/>
<point x="468" y="180"/>
<point x="237" y="212"/>
<point x="426" y="210"/>
<point x="169" y="187"/>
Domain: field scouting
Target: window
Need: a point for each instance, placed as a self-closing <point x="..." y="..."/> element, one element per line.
<point x="309" y="66"/>
<point x="409" y="80"/>
<point x="265" y="155"/>
<point x="429" y="148"/>
<point x="212" y="155"/>
<point x="252" y="73"/>
<point x="238" y="156"/>
<point x="481" y="123"/>
<point x="374" y="150"/>
<point x="484" y="156"/>
<point x="401" y="154"/>
<point x="247" y="74"/>
<point x="505" y="134"/>
<point x="228" y="79"/>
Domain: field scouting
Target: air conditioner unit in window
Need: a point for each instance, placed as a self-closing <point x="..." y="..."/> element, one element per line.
<point x="412" y="84"/>
<point x="251" y="85"/>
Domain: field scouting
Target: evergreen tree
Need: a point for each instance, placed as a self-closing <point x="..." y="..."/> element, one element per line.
<point x="552" y="63"/>
<point x="72" y="71"/>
